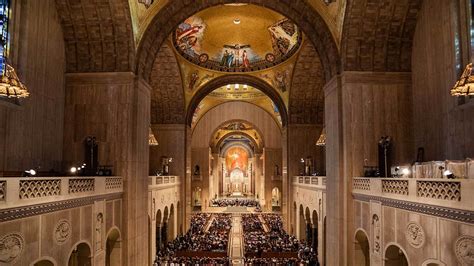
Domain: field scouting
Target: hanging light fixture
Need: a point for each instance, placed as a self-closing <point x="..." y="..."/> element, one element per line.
<point x="151" y="138"/>
<point x="465" y="85"/>
<point x="10" y="84"/>
<point x="322" y="138"/>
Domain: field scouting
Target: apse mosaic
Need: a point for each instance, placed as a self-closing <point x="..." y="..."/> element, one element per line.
<point x="237" y="39"/>
<point x="236" y="158"/>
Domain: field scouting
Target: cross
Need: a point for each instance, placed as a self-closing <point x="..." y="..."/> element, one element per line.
<point x="237" y="48"/>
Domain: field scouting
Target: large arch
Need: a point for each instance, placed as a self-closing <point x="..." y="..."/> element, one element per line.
<point x="113" y="250"/>
<point x="81" y="254"/>
<point x="361" y="248"/>
<point x="237" y="79"/>
<point x="395" y="255"/>
<point x="233" y="111"/>
<point x="174" y="12"/>
<point x="378" y="35"/>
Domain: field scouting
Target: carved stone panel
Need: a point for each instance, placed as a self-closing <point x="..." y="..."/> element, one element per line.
<point x="11" y="247"/>
<point x="415" y="235"/>
<point x="464" y="250"/>
<point x="62" y="231"/>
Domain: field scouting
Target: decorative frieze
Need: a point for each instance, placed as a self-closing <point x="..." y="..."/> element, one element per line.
<point x="439" y="190"/>
<point x="31" y="189"/>
<point x="399" y="187"/>
<point x="415" y="235"/>
<point x="81" y="185"/>
<point x="11" y="247"/>
<point x="439" y="211"/>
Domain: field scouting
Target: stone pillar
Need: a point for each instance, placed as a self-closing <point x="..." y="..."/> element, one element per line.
<point x="360" y="107"/>
<point x="114" y="108"/>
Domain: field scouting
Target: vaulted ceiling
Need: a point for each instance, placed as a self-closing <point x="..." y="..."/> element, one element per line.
<point x="125" y="35"/>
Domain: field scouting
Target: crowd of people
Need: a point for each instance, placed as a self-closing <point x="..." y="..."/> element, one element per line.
<point x="234" y="202"/>
<point x="215" y="239"/>
<point x="275" y="240"/>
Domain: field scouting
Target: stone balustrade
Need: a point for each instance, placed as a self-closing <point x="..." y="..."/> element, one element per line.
<point x="310" y="181"/>
<point x="451" y="193"/>
<point x="23" y="191"/>
<point x="163" y="180"/>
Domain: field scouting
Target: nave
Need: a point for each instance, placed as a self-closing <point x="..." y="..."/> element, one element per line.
<point x="236" y="238"/>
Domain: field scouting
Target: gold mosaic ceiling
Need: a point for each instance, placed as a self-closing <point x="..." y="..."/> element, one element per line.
<point x="240" y="38"/>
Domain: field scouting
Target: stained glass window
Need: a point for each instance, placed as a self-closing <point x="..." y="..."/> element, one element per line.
<point x="5" y="37"/>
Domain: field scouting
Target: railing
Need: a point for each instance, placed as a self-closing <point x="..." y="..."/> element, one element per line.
<point x="452" y="193"/>
<point x="163" y="180"/>
<point x="22" y="191"/>
<point x="310" y="181"/>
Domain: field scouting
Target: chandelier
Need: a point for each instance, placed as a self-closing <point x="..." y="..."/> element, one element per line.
<point x="10" y="84"/>
<point x="322" y="138"/>
<point x="151" y="138"/>
<point x="465" y="85"/>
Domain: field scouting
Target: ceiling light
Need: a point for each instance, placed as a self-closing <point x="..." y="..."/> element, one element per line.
<point x="228" y="87"/>
<point x="73" y="170"/>
<point x="322" y="138"/>
<point x="406" y="171"/>
<point x="236" y="86"/>
<point x="236" y="21"/>
<point x="245" y="86"/>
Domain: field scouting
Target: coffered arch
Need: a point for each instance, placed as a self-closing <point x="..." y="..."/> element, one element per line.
<point x="378" y="35"/>
<point x="98" y="35"/>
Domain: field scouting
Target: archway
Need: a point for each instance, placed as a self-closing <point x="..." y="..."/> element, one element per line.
<point x="80" y="255"/>
<point x="395" y="256"/>
<point x="158" y="231"/>
<point x="276" y="197"/>
<point x="237" y="79"/>
<point x="44" y="262"/>
<point x="164" y="227"/>
<point x="197" y="198"/>
<point x="113" y="248"/>
<point x="170" y="15"/>
<point x="302" y="225"/>
<point x="361" y="249"/>
<point x="171" y="224"/>
<point x="309" y="229"/>
<point x="315" y="241"/>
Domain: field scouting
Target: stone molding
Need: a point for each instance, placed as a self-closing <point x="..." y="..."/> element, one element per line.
<point x="464" y="216"/>
<point x="38" y="209"/>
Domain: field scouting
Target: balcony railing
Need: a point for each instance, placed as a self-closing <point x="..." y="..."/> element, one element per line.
<point x="451" y="193"/>
<point x="163" y="180"/>
<point x="23" y="191"/>
<point x="311" y="181"/>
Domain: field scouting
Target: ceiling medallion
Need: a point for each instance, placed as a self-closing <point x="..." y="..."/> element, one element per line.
<point x="236" y="21"/>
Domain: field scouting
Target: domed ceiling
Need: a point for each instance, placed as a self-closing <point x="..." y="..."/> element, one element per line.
<point x="237" y="38"/>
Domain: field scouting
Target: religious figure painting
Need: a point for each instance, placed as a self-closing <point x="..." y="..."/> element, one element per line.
<point x="236" y="158"/>
<point x="215" y="47"/>
<point x="189" y="35"/>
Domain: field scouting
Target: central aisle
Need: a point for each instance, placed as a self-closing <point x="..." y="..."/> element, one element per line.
<point x="236" y="238"/>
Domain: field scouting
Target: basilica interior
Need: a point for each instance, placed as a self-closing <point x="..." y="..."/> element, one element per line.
<point x="236" y="132"/>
